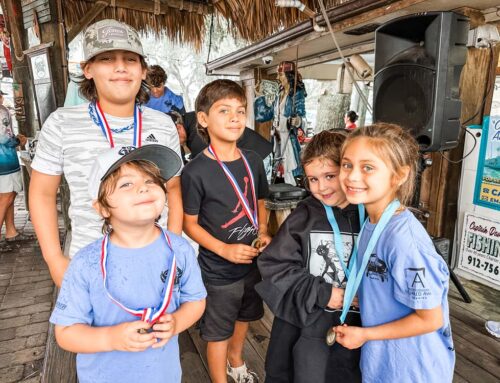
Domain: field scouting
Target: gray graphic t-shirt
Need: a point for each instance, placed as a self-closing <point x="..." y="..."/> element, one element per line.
<point x="69" y="143"/>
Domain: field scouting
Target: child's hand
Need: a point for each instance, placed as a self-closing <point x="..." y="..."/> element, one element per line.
<point x="239" y="253"/>
<point x="126" y="337"/>
<point x="22" y="139"/>
<point x="336" y="298"/>
<point x="265" y="239"/>
<point x="164" y="329"/>
<point x="350" y="337"/>
<point x="355" y="302"/>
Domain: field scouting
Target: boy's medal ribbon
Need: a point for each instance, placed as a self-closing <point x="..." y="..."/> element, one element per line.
<point x="252" y="215"/>
<point x="106" y="130"/>
<point x="354" y="282"/>
<point x="337" y="237"/>
<point x="148" y="314"/>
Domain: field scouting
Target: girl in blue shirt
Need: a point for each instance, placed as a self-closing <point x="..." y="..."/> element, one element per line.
<point x="406" y="335"/>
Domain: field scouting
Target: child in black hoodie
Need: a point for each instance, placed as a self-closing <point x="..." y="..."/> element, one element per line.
<point x="304" y="278"/>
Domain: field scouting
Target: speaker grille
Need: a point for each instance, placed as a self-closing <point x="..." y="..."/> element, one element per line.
<point x="405" y="96"/>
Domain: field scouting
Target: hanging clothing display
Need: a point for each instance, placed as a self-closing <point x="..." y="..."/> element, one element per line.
<point x="289" y="115"/>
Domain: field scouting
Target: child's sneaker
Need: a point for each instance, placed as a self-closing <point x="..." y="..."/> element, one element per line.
<point x="493" y="328"/>
<point x="242" y="374"/>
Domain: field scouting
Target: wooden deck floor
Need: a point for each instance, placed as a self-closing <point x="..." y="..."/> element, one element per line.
<point x="478" y="353"/>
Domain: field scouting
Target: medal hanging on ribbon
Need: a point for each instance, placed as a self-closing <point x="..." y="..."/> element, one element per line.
<point x="339" y="249"/>
<point x="354" y="275"/>
<point x="149" y="314"/>
<point x="252" y="215"/>
<point x="106" y="130"/>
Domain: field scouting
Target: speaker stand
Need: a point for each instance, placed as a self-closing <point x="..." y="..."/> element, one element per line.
<point x="426" y="161"/>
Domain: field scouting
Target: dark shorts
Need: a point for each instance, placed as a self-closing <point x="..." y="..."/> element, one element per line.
<point x="226" y="304"/>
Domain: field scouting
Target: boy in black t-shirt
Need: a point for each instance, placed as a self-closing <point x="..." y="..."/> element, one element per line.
<point x="223" y="192"/>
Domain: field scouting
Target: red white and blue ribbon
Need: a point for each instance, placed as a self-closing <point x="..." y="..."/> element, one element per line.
<point x="148" y="314"/>
<point x="251" y="214"/>
<point x="106" y="130"/>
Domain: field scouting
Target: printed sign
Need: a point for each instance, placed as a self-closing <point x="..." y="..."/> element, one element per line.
<point x="480" y="248"/>
<point x="487" y="191"/>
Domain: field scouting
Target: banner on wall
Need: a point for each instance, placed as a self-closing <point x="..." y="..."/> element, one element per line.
<point x="487" y="189"/>
<point x="480" y="248"/>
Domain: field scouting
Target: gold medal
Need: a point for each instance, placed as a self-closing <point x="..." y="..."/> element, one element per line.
<point x="143" y="331"/>
<point x="257" y="243"/>
<point x="330" y="336"/>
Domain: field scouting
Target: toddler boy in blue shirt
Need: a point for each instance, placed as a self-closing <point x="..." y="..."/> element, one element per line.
<point x="126" y="297"/>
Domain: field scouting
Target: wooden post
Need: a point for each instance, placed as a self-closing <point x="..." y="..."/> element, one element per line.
<point x="50" y="32"/>
<point x="476" y="83"/>
<point x="23" y="86"/>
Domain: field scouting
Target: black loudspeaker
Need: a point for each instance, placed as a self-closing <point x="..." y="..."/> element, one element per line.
<point x="418" y="61"/>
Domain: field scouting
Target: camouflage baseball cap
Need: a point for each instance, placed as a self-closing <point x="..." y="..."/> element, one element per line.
<point x="110" y="35"/>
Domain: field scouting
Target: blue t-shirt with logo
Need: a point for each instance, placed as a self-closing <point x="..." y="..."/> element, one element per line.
<point x="167" y="103"/>
<point x="404" y="274"/>
<point x="136" y="279"/>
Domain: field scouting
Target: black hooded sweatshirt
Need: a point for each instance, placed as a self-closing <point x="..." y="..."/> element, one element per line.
<point x="299" y="268"/>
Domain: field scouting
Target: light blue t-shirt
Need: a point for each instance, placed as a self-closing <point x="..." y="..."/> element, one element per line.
<point x="167" y="103"/>
<point x="404" y="274"/>
<point x="136" y="279"/>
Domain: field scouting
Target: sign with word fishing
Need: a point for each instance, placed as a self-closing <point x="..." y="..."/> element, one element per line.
<point x="480" y="248"/>
<point x="487" y="190"/>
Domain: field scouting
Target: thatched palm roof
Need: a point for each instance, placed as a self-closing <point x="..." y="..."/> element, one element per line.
<point x="184" y="20"/>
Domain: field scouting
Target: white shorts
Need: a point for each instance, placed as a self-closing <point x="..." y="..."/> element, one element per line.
<point x="11" y="183"/>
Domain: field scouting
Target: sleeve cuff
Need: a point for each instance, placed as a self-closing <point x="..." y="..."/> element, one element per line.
<point x="324" y="294"/>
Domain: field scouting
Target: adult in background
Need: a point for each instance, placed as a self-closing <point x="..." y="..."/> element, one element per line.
<point x="350" y="119"/>
<point x="10" y="176"/>
<point x="162" y="98"/>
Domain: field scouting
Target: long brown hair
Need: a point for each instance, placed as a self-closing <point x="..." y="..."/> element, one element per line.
<point x="397" y="148"/>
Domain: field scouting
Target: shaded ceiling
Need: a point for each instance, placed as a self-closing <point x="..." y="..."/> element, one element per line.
<point x="184" y="20"/>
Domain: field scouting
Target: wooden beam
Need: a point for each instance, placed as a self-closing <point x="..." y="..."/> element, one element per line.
<point x="149" y="6"/>
<point x="97" y="8"/>
<point x="476" y="17"/>
<point x="15" y="28"/>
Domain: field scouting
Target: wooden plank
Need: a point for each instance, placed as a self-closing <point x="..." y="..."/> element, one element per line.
<point x="470" y="372"/>
<point x="58" y="365"/>
<point x="477" y="337"/>
<point x="39" y="4"/>
<point x="476" y="355"/>
<point x="483" y="300"/>
<point x="193" y="369"/>
<point x="458" y="379"/>
<point x="258" y="336"/>
<point x="199" y="344"/>
<point x="252" y="358"/>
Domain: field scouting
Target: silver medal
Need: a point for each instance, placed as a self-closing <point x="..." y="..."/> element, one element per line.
<point x="256" y="243"/>
<point x="330" y="336"/>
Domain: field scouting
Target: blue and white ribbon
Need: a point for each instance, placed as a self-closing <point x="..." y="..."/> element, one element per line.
<point x="100" y="120"/>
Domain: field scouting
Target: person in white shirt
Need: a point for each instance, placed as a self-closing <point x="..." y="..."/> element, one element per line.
<point x="72" y="138"/>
